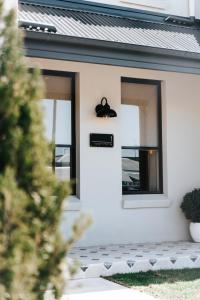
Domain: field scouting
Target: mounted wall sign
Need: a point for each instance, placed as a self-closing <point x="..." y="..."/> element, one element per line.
<point x="101" y="140"/>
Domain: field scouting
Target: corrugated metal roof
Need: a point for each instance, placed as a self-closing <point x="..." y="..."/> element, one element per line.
<point x="103" y="27"/>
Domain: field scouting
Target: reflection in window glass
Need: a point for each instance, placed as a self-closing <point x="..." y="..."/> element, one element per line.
<point x="139" y="115"/>
<point x="140" y="170"/>
<point x="130" y="125"/>
<point x="63" y="122"/>
<point x="62" y="162"/>
<point x="58" y="123"/>
<point x="48" y="112"/>
<point x="140" y="142"/>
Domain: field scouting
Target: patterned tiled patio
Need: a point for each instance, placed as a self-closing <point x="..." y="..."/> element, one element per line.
<point x="108" y="260"/>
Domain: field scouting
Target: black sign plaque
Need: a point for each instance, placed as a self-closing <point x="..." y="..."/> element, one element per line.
<point x="101" y="140"/>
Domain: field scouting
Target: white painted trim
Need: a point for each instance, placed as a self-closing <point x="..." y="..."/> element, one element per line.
<point x="145" y="201"/>
<point x="192" y="8"/>
<point x="72" y="203"/>
<point x="160" y="4"/>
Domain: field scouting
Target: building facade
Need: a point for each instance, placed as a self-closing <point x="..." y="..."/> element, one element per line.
<point x="130" y="170"/>
<point x="184" y="8"/>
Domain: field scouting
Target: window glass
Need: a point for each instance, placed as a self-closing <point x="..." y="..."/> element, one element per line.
<point x="140" y="170"/>
<point x="139" y="115"/>
<point x="63" y="122"/>
<point x="141" y="152"/>
<point x="48" y="116"/>
<point x="130" y="125"/>
<point x="58" y="122"/>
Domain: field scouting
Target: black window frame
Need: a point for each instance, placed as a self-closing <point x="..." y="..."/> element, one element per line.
<point x="46" y="72"/>
<point x="159" y="148"/>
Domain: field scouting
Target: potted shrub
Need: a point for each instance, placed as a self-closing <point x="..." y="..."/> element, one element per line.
<point x="191" y="208"/>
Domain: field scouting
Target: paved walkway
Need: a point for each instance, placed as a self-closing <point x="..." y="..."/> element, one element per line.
<point x="113" y="259"/>
<point x="101" y="289"/>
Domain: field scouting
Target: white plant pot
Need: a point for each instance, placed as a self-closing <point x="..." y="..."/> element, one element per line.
<point x="195" y="231"/>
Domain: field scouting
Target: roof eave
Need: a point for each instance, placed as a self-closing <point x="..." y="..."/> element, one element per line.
<point x="79" y="41"/>
<point x="59" y="47"/>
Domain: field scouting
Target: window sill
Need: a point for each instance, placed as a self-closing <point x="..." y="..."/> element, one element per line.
<point x="72" y="203"/>
<point x="145" y="201"/>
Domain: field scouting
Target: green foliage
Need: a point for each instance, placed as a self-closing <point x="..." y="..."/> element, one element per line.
<point x="191" y="206"/>
<point x="32" y="251"/>
<point x="163" y="284"/>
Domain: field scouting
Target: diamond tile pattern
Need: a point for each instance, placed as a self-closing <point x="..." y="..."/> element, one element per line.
<point x="113" y="259"/>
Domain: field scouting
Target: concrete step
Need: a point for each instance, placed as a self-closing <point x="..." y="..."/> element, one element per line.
<point x="113" y="259"/>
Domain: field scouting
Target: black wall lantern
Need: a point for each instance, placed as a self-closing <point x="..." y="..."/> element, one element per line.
<point x="103" y="110"/>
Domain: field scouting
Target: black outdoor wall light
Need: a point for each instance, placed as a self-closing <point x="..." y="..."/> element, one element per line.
<point x="103" y="110"/>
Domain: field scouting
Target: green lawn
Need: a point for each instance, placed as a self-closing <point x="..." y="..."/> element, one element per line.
<point x="164" y="285"/>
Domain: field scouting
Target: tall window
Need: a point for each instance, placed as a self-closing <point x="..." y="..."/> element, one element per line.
<point x="59" y="121"/>
<point x="141" y="137"/>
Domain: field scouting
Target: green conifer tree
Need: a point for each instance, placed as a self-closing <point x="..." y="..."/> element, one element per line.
<point x="32" y="251"/>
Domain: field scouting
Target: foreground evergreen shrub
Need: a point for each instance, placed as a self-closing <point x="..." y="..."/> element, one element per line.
<point x="32" y="251"/>
<point x="191" y="206"/>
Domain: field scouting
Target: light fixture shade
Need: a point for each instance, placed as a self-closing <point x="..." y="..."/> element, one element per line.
<point x="104" y="110"/>
<point x="112" y="113"/>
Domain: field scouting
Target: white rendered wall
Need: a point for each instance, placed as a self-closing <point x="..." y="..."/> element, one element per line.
<point x="176" y="7"/>
<point x="100" y="168"/>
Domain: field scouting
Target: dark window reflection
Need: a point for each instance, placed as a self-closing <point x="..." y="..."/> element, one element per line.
<point x="140" y="170"/>
<point x="63" y="161"/>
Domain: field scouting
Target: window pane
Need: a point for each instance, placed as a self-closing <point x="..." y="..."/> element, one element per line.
<point x="57" y="87"/>
<point x="63" y="140"/>
<point x="62" y="162"/>
<point x="58" y="122"/>
<point x="63" y="122"/>
<point x="140" y="170"/>
<point x="130" y="170"/>
<point x="139" y="115"/>
<point x="48" y="106"/>
<point x="130" y="125"/>
<point x="141" y="149"/>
